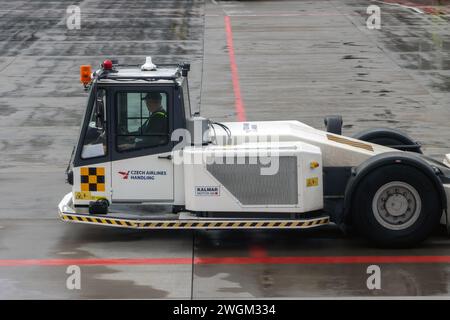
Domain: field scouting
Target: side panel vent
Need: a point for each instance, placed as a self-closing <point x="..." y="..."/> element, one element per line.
<point x="247" y="184"/>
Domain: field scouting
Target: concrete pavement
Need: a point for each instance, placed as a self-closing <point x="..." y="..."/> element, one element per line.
<point x="295" y="60"/>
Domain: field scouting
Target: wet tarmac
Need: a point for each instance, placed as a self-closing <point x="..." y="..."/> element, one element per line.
<point x="296" y="60"/>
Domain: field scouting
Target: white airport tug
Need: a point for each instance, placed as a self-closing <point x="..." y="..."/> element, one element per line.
<point x="145" y="160"/>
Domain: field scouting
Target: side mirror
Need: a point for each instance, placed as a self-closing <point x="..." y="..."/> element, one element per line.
<point x="99" y="111"/>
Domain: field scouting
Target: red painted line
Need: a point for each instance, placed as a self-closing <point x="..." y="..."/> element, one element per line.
<point x="319" y="260"/>
<point x="239" y="104"/>
<point x="93" y="262"/>
<point x="259" y="15"/>
<point x="325" y="260"/>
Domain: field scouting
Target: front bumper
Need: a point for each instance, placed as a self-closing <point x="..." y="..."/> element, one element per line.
<point x="183" y="220"/>
<point x="66" y="204"/>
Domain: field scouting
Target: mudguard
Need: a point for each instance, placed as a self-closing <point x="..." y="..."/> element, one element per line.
<point x="391" y="158"/>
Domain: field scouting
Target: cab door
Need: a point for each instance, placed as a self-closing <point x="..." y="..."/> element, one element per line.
<point x="91" y="165"/>
<point x="141" y="166"/>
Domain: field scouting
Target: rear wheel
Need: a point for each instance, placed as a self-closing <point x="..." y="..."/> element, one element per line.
<point x="396" y="206"/>
<point x="390" y="138"/>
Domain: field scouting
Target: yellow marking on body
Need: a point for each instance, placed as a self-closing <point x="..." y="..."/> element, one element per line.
<point x="356" y="144"/>
<point x="312" y="182"/>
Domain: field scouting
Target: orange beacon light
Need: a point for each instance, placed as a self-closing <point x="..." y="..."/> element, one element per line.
<point x="85" y="74"/>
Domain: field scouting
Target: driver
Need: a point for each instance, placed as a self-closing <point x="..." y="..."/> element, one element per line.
<point x="154" y="130"/>
<point x="157" y="121"/>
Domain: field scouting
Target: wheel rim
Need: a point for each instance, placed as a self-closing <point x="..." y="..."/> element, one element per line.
<point x="396" y="205"/>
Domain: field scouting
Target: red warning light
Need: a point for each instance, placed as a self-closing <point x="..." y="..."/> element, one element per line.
<point x="107" y="65"/>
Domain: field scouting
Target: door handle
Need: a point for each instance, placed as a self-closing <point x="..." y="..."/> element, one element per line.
<point x="169" y="157"/>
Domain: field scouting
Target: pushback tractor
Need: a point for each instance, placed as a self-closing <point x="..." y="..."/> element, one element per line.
<point x="145" y="160"/>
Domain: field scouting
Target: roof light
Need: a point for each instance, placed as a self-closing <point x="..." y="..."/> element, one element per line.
<point x="107" y="65"/>
<point x="85" y="74"/>
<point x="148" y="65"/>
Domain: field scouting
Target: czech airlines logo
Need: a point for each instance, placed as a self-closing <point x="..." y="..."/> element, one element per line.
<point x="141" y="174"/>
<point x="124" y="174"/>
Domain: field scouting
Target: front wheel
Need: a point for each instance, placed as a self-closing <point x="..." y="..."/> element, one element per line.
<point x="396" y="206"/>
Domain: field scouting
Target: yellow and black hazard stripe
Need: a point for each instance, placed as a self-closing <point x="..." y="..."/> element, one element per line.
<point x="99" y="220"/>
<point x="196" y="224"/>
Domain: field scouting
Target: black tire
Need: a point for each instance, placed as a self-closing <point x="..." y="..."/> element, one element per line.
<point x="389" y="138"/>
<point x="365" y="220"/>
<point x="99" y="207"/>
<point x="333" y="124"/>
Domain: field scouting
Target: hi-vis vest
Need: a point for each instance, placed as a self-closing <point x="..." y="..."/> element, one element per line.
<point x="160" y="113"/>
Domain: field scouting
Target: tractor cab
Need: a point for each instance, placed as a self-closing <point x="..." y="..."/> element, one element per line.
<point x="124" y="149"/>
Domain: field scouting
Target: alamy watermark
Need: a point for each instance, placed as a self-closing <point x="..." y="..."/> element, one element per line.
<point x="262" y="150"/>
<point x="73" y="14"/>
<point x="374" y="19"/>
<point x="374" y="280"/>
<point x="73" y="281"/>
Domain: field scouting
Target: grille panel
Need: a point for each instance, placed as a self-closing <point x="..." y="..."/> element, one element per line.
<point x="247" y="185"/>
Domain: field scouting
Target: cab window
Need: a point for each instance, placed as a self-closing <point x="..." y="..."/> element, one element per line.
<point x="95" y="139"/>
<point x="142" y="120"/>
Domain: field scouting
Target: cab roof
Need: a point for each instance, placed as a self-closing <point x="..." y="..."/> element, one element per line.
<point x="161" y="74"/>
<point x="113" y="71"/>
<point x="136" y="72"/>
